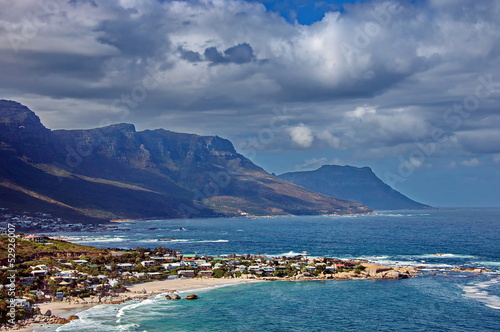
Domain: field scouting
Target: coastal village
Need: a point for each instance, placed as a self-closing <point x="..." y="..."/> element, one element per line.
<point x="27" y="221"/>
<point x="51" y="270"/>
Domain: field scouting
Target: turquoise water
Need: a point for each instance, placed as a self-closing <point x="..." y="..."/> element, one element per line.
<point x="434" y="301"/>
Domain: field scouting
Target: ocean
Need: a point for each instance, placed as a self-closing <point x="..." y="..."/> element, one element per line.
<point x="433" y="301"/>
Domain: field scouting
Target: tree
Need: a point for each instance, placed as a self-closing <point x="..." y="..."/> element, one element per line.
<point x="218" y="273"/>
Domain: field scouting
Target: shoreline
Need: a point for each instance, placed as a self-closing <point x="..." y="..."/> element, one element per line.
<point x="118" y="221"/>
<point x="145" y="290"/>
<point x="140" y="291"/>
<point x="182" y="286"/>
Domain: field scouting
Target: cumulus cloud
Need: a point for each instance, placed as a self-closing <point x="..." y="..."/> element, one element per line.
<point x="332" y="140"/>
<point x="301" y="136"/>
<point x="239" y="54"/>
<point x="361" y="111"/>
<point x="376" y="127"/>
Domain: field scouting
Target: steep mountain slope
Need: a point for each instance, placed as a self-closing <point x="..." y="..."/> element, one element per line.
<point x="353" y="183"/>
<point x="117" y="172"/>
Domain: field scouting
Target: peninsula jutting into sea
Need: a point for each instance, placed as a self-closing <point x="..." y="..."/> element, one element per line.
<point x="54" y="276"/>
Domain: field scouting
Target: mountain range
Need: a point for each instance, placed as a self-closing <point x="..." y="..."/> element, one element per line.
<point x="116" y="172"/>
<point x="356" y="184"/>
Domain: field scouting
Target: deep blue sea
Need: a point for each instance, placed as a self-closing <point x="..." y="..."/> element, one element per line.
<point x="433" y="301"/>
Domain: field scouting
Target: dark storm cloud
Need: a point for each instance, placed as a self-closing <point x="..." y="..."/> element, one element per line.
<point x="76" y="2"/>
<point x="239" y="54"/>
<point x="54" y="74"/>
<point x="135" y="32"/>
<point x="133" y="37"/>
<point x="214" y="56"/>
<point x="189" y="55"/>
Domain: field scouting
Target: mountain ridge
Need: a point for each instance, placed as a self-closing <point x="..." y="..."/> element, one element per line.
<point x="116" y="172"/>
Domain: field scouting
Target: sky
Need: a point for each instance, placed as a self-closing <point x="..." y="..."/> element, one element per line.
<point x="409" y="88"/>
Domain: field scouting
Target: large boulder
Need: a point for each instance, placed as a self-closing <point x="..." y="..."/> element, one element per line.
<point x="393" y="275"/>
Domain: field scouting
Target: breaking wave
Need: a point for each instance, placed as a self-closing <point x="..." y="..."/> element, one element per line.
<point x="83" y="239"/>
<point x="211" y="241"/>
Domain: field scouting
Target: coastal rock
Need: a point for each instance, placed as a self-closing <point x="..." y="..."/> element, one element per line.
<point x="192" y="297"/>
<point x="468" y="269"/>
<point x="60" y="320"/>
<point x="48" y="313"/>
<point x="176" y="297"/>
<point x="346" y="275"/>
<point x="394" y="275"/>
<point x="73" y="317"/>
<point x="168" y="297"/>
<point x="375" y="270"/>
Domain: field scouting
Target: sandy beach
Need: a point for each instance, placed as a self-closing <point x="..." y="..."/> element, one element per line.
<point x="144" y="289"/>
<point x="64" y="309"/>
<point x="185" y="284"/>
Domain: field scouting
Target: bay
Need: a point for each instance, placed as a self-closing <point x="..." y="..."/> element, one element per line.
<point x="435" y="300"/>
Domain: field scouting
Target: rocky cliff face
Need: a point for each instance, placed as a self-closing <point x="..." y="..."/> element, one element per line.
<point x="353" y="183"/>
<point x="22" y="130"/>
<point x="117" y="172"/>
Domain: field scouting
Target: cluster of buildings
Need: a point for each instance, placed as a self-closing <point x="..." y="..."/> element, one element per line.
<point x="61" y="277"/>
<point x="71" y="277"/>
<point x="39" y="222"/>
<point x="100" y="275"/>
<point x="253" y="266"/>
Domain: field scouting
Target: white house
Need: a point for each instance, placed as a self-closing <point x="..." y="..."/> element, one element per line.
<point x="172" y="266"/>
<point x="112" y="282"/>
<point x="147" y="263"/>
<point x="254" y="268"/>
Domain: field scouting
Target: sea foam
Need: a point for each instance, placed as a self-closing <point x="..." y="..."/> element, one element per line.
<point x="479" y="292"/>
